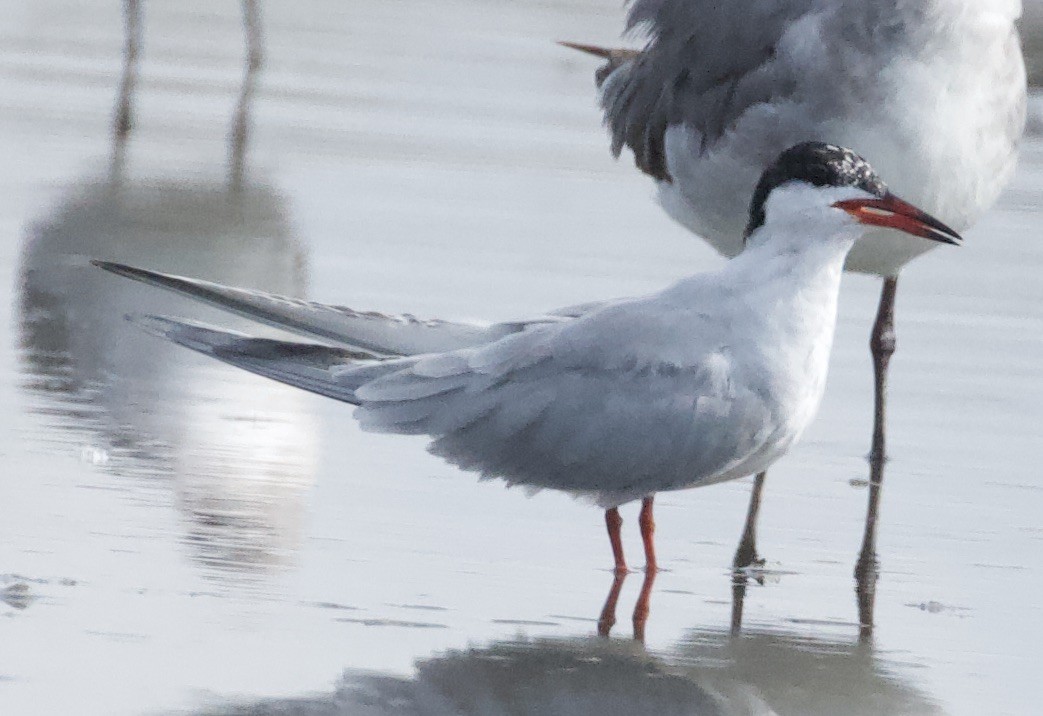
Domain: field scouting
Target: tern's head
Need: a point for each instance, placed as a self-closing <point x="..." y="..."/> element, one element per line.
<point x="823" y="187"/>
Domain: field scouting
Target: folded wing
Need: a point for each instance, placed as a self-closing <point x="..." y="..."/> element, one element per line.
<point x="549" y="408"/>
<point x="622" y="400"/>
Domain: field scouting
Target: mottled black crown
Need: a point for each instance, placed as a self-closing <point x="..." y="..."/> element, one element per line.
<point x="818" y="164"/>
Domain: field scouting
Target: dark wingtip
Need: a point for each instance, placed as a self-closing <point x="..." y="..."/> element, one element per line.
<point x="120" y="269"/>
<point x="152" y="324"/>
<point x="603" y="52"/>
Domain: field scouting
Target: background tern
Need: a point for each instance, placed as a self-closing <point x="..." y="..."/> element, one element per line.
<point x="932" y="92"/>
<point x="709" y="380"/>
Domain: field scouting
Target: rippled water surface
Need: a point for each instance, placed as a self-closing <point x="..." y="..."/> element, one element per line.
<point x="176" y="536"/>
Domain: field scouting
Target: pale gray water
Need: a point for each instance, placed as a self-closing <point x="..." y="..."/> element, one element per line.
<point x="176" y="536"/>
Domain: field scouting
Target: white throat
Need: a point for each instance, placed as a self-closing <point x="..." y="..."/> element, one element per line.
<point x="800" y="218"/>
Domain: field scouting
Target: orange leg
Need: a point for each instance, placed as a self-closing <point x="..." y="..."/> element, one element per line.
<point x="647" y="523"/>
<point x="613" y="521"/>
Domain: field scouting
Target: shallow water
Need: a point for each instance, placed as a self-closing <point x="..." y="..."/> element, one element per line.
<point x="176" y="536"/>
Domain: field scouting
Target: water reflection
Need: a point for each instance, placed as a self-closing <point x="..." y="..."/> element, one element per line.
<point x="741" y="579"/>
<point x="241" y="450"/>
<point x="642" y="607"/>
<point x="710" y="672"/>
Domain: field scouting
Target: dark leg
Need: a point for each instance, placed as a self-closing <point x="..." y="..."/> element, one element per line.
<point x="642" y="607"/>
<point x="882" y="345"/>
<point x="608" y="612"/>
<point x="746" y="554"/>
<point x="647" y="522"/>
<point x="613" y="521"/>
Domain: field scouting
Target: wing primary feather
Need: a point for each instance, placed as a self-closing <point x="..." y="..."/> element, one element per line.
<point x="308" y="366"/>
<point x="381" y="335"/>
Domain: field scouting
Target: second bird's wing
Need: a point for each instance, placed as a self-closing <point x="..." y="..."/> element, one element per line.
<point x="784" y="67"/>
<point x="705" y="64"/>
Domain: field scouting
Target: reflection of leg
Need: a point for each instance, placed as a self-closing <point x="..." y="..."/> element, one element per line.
<point x="865" y="593"/>
<point x="746" y="554"/>
<point x="867" y="569"/>
<point x="123" y="121"/>
<point x="642" y="607"/>
<point x="882" y="345"/>
<point x="252" y="30"/>
<point x="647" y="522"/>
<point x="613" y="521"/>
<point x="608" y="613"/>
<point x="738" y="600"/>
<point x="239" y="134"/>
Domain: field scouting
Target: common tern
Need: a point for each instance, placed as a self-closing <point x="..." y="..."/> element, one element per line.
<point x="932" y="92"/>
<point x="711" y="379"/>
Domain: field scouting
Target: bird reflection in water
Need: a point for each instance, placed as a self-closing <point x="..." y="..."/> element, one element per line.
<point x="710" y="672"/>
<point x="241" y="451"/>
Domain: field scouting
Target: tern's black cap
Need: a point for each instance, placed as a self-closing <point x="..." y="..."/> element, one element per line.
<point x="816" y="163"/>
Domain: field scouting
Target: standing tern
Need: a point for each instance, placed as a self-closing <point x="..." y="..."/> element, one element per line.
<point x="711" y="379"/>
<point x="932" y="92"/>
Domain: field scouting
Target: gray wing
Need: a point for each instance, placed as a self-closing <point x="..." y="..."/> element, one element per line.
<point x="705" y="63"/>
<point x="537" y="408"/>
<point x="379" y="334"/>
<point x="546" y="409"/>
<point x="709" y="62"/>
